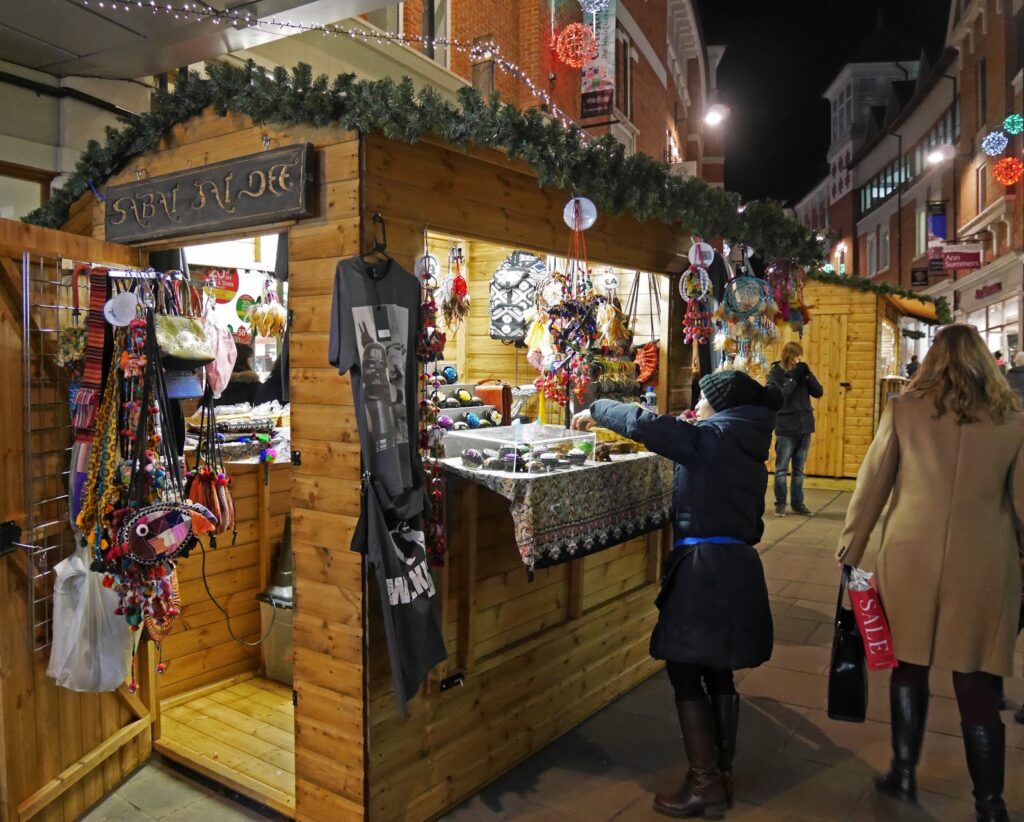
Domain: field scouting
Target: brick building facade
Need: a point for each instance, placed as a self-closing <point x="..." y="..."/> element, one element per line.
<point x="908" y="150"/>
<point x="665" y="73"/>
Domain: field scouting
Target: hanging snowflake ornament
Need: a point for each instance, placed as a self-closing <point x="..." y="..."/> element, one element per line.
<point x="593" y="6"/>
<point x="1014" y="124"/>
<point x="995" y="143"/>
<point x="576" y="45"/>
<point x="1008" y="171"/>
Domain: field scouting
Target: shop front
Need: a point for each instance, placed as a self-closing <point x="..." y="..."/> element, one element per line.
<point x="990" y="300"/>
<point x="543" y="618"/>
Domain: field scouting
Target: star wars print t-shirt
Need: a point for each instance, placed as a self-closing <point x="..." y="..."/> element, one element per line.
<point x="374" y="322"/>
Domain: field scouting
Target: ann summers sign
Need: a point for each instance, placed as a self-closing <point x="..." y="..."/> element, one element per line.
<point x="259" y="188"/>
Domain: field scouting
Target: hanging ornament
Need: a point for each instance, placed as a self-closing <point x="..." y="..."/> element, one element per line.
<point x="695" y="284"/>
<point x="995" y="143"/>
<point x="1014" y="124"/>
<point x="1008" y="171"/>
<point x="267" y="315"/>
<point x="581" y="212"/>
<point x="701" y="253"/>
<point x="455" y="292"/>
<point x="593" y="6"/>
<point x="428" y="269"/>
<point x="576" y="45"/>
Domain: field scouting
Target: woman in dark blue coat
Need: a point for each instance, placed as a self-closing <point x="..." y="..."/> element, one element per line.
<point x="714" y="612"/>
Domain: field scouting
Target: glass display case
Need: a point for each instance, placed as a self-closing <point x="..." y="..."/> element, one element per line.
<point x="529" y="449"/>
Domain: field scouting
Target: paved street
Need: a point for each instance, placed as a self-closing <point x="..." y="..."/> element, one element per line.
<point x="793" y="763"/>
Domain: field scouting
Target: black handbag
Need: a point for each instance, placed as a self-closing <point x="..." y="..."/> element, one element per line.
<point x="848" y="672"/>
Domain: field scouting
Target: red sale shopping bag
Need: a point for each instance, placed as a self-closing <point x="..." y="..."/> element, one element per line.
<point x="871" y="621"/>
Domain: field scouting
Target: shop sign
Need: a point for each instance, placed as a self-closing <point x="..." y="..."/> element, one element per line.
<point x="223" y="284"/>
<point x="961" y="257"/>
<point x="598" y="97"/>
<point x="245" y="301"/>
<point x="257" y="189"/>
<point x="989" y="290"/>
<point x="919" y="278"/>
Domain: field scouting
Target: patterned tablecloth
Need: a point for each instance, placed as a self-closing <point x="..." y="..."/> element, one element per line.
<point x="567" y="514"/>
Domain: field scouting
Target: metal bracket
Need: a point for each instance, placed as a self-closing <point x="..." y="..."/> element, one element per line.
<point x="296" y="458"/>
<point x="453" y="680"/>
<point x="10" y="534"/>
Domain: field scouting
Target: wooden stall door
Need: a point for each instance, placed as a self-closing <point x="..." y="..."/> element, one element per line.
<point x="827" y="359"/>
<point x="60" y="751"/>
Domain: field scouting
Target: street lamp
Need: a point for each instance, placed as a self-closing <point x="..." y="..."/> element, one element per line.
<point x="716" y="114"/>
<point x="938" y="156"/>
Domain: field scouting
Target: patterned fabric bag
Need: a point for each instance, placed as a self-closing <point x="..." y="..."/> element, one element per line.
<point x="513" y="293"/>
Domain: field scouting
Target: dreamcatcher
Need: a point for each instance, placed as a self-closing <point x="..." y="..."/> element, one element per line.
<point x="645" y="356"/>
<point x="430" y="340"/>
<point x="455" y="292"/>
<point x="695" y="289"/>
<point x="267" y="315"/>
<point x="787" y="284"/>
<point x="747" y="318"/>
<point x="568" y="305"/>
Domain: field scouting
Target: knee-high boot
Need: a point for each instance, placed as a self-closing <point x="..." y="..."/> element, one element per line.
<point x="909" y="705"/>
<point x="702" y="792"/>
<point x="985" y="746"/>
<point x="727" y="718"/>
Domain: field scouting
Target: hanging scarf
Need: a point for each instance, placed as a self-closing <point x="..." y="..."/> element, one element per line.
<point x="88" y="396"/>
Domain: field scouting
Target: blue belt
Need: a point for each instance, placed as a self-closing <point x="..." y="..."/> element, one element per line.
<point x="680" y="543"/>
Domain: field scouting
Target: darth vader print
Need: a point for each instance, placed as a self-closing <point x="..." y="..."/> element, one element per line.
<point x="381" y="336"/>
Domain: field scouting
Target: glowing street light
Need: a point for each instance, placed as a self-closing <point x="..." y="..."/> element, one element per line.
<point x="940" y="154"/>
<point x="716" y="114"/>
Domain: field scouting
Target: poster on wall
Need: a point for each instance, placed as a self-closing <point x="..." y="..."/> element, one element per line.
<point x="598" y="97"/>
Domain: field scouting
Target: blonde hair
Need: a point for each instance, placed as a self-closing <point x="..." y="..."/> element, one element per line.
<point x="790" y="351"/>
<point x="962" y="377"/>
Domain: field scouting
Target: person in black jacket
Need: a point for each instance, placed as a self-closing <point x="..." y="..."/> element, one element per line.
<point x="714" y="615"/>
<point x="794" y="425"/>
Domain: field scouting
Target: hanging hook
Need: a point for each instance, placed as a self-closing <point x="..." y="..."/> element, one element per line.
<point x="266" y="142"/>
<point x="382" y="244"/>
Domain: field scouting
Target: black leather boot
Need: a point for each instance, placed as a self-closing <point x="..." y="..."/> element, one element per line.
<point x="909" y="704"/>
<point x="727" y="720"/>
<point x="702" y="792"/>
<point x="985" y="746"/>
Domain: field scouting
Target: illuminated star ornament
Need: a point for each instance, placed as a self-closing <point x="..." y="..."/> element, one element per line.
<point x="593" y="6"/>
<point x="995" y="143"/>
<point x="1014" y="124"/>
<point x="576" y="45"/>
<point x="1008" y="171"/>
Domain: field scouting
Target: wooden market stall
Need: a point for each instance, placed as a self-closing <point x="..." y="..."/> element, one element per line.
<point x="851" y="345"/>
<point x="532" y="659"/>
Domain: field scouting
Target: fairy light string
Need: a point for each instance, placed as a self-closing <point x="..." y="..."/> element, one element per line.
<point x="202" y="13"/>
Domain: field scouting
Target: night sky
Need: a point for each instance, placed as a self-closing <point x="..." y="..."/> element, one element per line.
<point x="781" y="56"/>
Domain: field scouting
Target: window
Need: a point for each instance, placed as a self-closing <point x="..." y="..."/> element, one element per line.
<point x="435" y="26"/>
<point x="623" y="74"/>
<point x="872" y="255"/>
<point x="22" y="189"/>
<point x="388" y="18"/>
<point x="842" y="108"/>
<point x="982" y="94"/>
<point x="981" y="186"/>
<point x="921" y="244"/>
<point x="883" y="248"/>
<point x="671" y="147"/>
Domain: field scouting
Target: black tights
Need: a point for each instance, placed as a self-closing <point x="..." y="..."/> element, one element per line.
<point x="692" y="682"/>
<point x="977" y="694"/>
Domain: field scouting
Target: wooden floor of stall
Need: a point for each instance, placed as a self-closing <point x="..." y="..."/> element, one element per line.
<point x="239" y="732"/>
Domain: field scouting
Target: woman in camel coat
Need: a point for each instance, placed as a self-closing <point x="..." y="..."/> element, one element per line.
<point x="948" y="461"/>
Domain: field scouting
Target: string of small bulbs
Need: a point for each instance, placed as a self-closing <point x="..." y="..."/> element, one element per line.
<point x="202" y="13"/>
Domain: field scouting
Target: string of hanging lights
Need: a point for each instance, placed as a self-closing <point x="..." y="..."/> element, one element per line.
<point x="202" y="13"/>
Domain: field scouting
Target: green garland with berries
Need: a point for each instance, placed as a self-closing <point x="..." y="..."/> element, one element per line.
<point x="599" y="169"/>
<point x="942" y="313"/>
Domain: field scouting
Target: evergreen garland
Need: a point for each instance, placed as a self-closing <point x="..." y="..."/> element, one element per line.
<point x="942" y="313"/>
<point x="598" y="169"/>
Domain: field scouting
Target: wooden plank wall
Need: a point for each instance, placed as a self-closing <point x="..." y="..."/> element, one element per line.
<point x="44" y="729"/>
<point x="329" y="757"/>
<point x="540" y="657"/>
<point x="847" y="319"/>
<point x="200" y="650"/>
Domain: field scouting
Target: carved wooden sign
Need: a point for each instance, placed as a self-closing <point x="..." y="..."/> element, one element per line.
<point x="256" y="189"/>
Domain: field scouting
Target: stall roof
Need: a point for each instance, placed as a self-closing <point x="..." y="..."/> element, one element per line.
<point x="914" y="308"/>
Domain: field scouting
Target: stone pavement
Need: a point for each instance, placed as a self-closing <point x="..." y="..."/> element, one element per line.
<point x="793" y="762"/>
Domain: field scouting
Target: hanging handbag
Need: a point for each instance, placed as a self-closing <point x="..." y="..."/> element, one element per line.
<point x="848" y="671"/>
<point x="646" y="356"/>
<point x="180" y="333"/>
<point x="499" y="394"/>
<point x="208" y="483"/>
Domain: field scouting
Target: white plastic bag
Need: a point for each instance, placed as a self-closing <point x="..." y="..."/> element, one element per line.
<point x="91" y="644"/>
